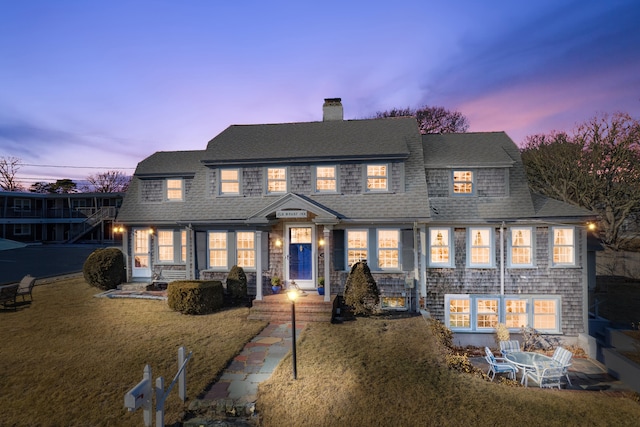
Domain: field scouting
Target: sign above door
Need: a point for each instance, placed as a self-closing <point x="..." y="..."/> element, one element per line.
<point x="291" y="214"/>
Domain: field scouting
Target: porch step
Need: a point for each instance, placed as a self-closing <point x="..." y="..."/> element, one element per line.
<point x="277" y="308"/>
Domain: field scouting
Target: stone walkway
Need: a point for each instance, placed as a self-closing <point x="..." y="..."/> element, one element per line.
<point x="235" y="392"/>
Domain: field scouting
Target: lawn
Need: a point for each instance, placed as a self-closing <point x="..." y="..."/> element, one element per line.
<point x="69" y="358"/>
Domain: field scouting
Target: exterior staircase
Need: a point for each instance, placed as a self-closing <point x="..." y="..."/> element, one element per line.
<point x="310" y="307"/>
<point x="92" y="221"/>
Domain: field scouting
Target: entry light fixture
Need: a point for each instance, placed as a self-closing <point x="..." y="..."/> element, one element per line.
<point x="278" y="243"/>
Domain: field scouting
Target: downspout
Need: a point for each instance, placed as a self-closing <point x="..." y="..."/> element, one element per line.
<point x="502" y="259"/>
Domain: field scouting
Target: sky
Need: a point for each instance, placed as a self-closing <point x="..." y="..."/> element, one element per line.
<point x="88" y="86"/>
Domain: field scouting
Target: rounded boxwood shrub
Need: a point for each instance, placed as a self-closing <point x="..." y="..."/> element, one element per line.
<point x="237" y="283"/>
<point x="104" y="268"/>
<point x="195" y="296"/>
<point x="361" y="291"/>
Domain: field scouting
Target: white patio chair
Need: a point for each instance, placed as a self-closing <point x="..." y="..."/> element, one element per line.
<point x="498" y="365"/>
<point x="563" y="357"/>
<point x="547" y="375"/>
<point x="507" y="347"/>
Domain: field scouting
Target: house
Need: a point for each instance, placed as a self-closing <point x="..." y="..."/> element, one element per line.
<point x="446" y="223"/>
<point x="58" y="218"/>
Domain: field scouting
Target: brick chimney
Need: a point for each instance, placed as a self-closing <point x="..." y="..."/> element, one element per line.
<point x="332" y="109"/>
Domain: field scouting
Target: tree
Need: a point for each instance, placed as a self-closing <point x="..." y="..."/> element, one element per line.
<point x="40" y="187"/>
<point x="63" y="186"/>
<point x="431" y="119"/>
<point x="9" y="167"/>
<point x="109" y="182"/>
<point x="597" y="168"/>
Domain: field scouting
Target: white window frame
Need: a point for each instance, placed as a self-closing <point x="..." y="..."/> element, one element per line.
<point x="166" y="246"/>
<point x="514" y="245"/>
<point x="459" y="179"/>
<point x="462" y="303"/>
<point x="550" y="307"/>
<point x="227" y="181"/>
<point x="373" y="180"/>
<point x="487" y="232"/>
<point x="435" y="233"/>
<point x="361" y="249"/>
<point x="22" y="205"/>
<point x="318" y="178"/>
<point x="173" y="186"/>
<point x="380" y="249"/>
<point x="222" y="251"/>
<point x="276" y="180"/>
<point x="246" y="252"/>
<point x="183" y="246"/>
<point x="555" y="244"/>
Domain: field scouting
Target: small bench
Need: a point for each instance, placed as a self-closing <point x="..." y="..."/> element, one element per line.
<point x="8" y="294"/>
<point x="171" y="275"/>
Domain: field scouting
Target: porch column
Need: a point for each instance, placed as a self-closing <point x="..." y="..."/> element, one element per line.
<point x="259" y="265"/>
<point x="423" y="266"/>
<point x="327" y="264"/>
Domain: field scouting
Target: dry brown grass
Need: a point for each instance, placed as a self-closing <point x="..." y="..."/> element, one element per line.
<point x="382" y="372"/>
<point x="69" y="358"/>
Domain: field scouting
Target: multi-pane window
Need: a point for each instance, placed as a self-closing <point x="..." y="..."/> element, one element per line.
<point x="183" y="246"/>
<point x="174" y="189"/>
<point x="356" y="246"/>
<point x="229" y="181"/>
<point x="563" y="242"/>
<point x="22" y="229"/>
<point x="165" y="245"/>
<point x="486" y="313"/>
<point x="459" y="313"/>
<point x="326" y="179"/>
<point x="521" y="247"/>
<point x="480" y="247"/>
<point x="218" y="249"/>
<point x="545" y="315"/>
<point x="22" y="205"/>
<point x="440" y="247"/>
<point x="515" y="313"/>
<point x="377" y="177"/>
<point x="246" y="249"/>
<point x="462" y="182"/>
<point x="276" y="180"/>
<point x="388" y="249"/>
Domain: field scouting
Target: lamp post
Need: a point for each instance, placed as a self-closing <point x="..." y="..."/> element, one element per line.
<point x="293" y="294"/>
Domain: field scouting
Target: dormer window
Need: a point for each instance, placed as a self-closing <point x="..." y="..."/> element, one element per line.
<point x="276" y="180"/>
<point x="326" y="179"/>
<point x="174" y="189"/>
<point x="377" y="178"/>
<point x="229" y="181"/>
<point x="463" y="182"/>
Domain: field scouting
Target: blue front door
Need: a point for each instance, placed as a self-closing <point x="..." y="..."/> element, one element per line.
<point x="300" y="256"/>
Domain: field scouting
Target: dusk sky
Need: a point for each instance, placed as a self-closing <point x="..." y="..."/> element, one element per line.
<point x="90" y="86"/>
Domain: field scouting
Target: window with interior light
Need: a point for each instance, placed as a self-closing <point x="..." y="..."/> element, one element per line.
<point x="521" y="247"/>
<point x="377" y="178"/>
<point x="171" y="246"/>
<point x="440" y="247"/>
<point x="183" y="246"/>
<point x="563" y="246"/>
<point x="482" y="313"/>
<point x="218" y="250"/>
<point x="246" y="249"/>
<point x="357" y="246"/>
<point x="463" y="182"/>
<point x="388" y="249"/>
<point x="229" y="181"/>
<point x="276" y="180"/>
<point x="480" y="244"/>
<point x="326" y="179"/>
<point x="174" y="189"/>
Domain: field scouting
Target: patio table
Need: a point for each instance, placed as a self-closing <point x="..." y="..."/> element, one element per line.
<point x="527" y="360"/>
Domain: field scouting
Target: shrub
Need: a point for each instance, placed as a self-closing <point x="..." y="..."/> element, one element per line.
<point x="442" y="334"/>
<point x="195" y="297"/>
<point x="237" y="283"/>
<point x="502" y="333"/>
<point x="104" y="268"/>
<point x="361" y="291"/>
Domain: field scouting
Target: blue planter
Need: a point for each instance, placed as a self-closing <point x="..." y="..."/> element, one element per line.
<point x="320" y="291"/>
<point x="275" y="289"/>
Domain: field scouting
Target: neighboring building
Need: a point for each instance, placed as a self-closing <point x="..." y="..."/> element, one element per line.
<point x="446" y="222"/>
<point x="58" y="218"/>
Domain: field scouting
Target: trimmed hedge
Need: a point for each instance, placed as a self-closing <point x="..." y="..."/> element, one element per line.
<point x="195" y="296"/>
<point x="237" y="283"/>
<point x="361" y="291"/>
<point x="104" y="268"/>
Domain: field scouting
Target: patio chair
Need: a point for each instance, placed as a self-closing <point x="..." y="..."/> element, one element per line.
<point x="507" y="347"/>
<point x="563" y="357"/>
<point x="498" y="365"/>
<point x="547" y="375"/>
<point x="25" y="287"/>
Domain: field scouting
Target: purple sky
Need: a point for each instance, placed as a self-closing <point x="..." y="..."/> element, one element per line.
<point x="95" y="85"/>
